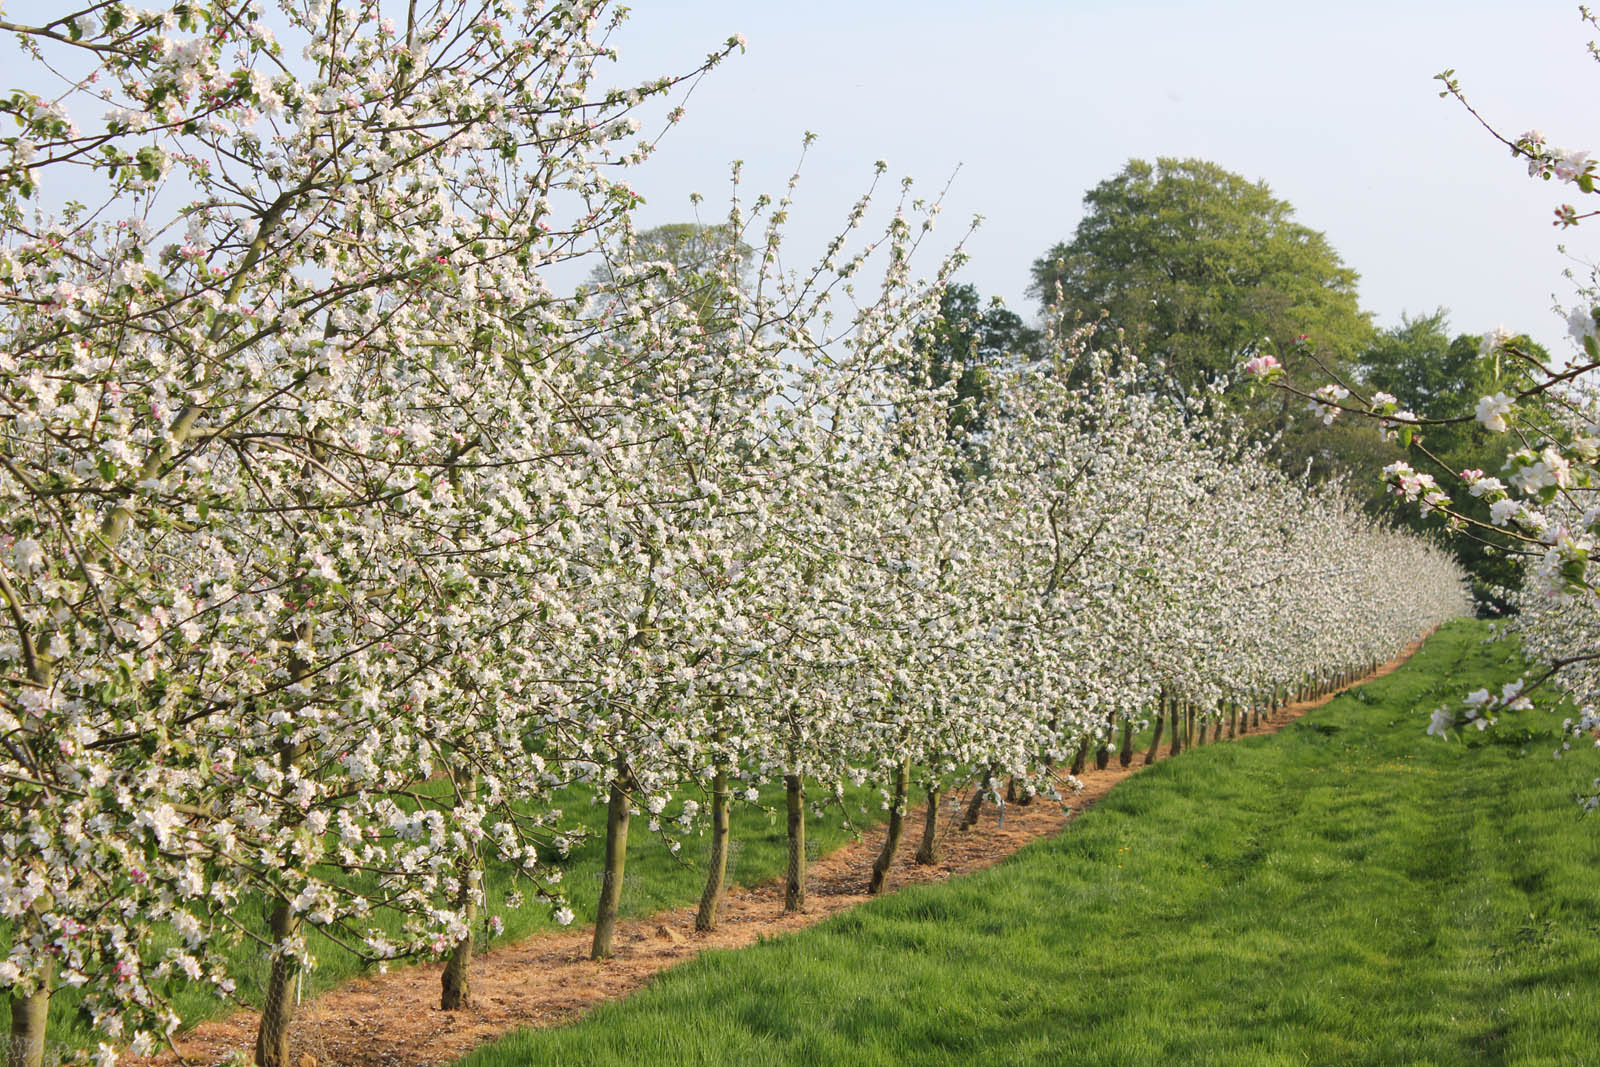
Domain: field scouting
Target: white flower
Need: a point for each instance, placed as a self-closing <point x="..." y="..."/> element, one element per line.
<point x="1572" y="165"/>
<point x="1483" y="486"/>
<point x="28" y="554"/>
<point x="1511" y="696"/>
<point x="1326" y="404"/>
<point x="1440" y="721"/>
<point x="1492" y="411"/>
<point x="1503" y="511"/>
<point x="161" y="820"/>
<point x="563" y="916"/>
<point x="1580" y="324"/>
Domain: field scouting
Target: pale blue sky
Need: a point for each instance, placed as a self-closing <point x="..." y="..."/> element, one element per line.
<point x="1332" y="105"/>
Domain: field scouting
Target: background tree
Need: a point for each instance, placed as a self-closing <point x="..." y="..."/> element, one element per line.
<point x="1421" y="364"/>
<point x="1433" y="374"/>
<point x="965" y="344"/>
<point x="699" y="263"/>
<point x="1200" y="268"/>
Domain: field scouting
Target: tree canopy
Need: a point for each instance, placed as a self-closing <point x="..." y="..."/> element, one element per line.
<point x="1421" y="364"/>
<point x="1200" y="268"/>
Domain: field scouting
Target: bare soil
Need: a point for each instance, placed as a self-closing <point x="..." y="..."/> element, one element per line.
<point x="394" y="1020"/>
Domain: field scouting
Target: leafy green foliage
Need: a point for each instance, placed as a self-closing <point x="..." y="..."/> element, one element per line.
<point x="1202" y="268"/>
<point x="1417" y="361"/>
<point x="699" y="263"/>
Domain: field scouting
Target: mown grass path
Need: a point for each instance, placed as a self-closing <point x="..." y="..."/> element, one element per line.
<point x="1347" y="891"/>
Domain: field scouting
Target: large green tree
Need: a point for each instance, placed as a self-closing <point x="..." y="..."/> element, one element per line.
<point x="1420" y="363"/>
<point x="1201" y="268"/>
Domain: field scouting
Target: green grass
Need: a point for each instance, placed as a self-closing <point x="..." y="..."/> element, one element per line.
<point x="1347" y="891"/>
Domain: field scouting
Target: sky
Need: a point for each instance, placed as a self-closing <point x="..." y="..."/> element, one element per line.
<point x="1030" y="103"/>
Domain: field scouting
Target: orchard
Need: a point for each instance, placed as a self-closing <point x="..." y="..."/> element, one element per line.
<point x="337" y="539"/>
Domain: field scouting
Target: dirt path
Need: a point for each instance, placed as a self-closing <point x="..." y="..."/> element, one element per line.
<point x="393" y="1020"/>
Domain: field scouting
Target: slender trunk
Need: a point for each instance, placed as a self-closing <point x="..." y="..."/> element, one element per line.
<point x="1102" y="754"/>
<point x="717" y="872"/>
<point x="794" y="882"/>
<point x="1125" y="754"/>
<point x="931" y="849"/>
<point x="1233" y="721"/>
<point x="29" y="1017"/>
<point x="1080" y="758"/>
<point x="1155" y="737"/>
<point x="605" y="920"/>
<point x="1216" y="722"/>
<point x="1011" y="790"/>
<point x="970" y="819"/>
<point x="455" y="990"/>
<point x="891" y="841"/>
<point x="277" y="1010"/>
<point x="1174" y="711"/>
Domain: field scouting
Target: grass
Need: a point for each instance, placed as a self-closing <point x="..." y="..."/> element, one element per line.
<point x="1347" y="891"/>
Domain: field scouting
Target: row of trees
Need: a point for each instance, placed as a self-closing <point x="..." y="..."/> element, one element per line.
<point x="336" y="543"/>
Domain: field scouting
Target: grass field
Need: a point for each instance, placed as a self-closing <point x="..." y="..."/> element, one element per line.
<point x="1348" y="891"/>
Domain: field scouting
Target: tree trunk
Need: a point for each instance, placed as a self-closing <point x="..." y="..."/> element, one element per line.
<point x="1175" y="711"/>
<point x="277" y="1010"/>
<point x="1155" y="737"/>
<point x="891" y="841"/>
<point x="794" y="881"/>
<point x="717" y="869"/>
<point x="605" y="920"/>
<point x="455" y="990"/>
<point x="29" y="1018"/>
<point x="975" y="806"/>
<point x="1102" y="754"/>
<point x="1233" y="721"/>
<point x="930" y="851"/>
<point x="1080" y="758"/>
<point x="1125" y="753"/>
